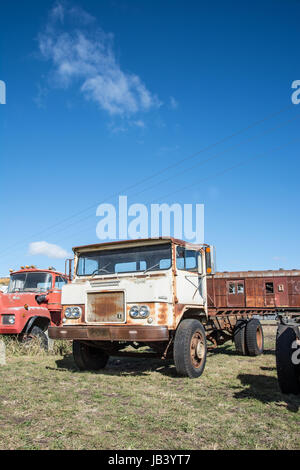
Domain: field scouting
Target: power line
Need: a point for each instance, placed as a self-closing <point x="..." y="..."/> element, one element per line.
<point x="242" y="162"/>
<point x="128" y="188"/>
<point x="227" y="169"/>
<point x="216" y="155"/>
<point x="268" y="131"/>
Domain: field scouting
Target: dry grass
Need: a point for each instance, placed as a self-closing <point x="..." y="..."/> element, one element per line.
<point x="16" y="348"/>
<point x="46" y="403"/>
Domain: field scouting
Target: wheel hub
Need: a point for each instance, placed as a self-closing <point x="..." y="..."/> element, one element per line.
<point x="197" y="349"/>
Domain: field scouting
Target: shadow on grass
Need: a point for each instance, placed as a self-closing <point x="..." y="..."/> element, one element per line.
<point x="226" y="349"/>
<point x="265" y="389"/>
<point x="124" y="366"/>
<point x="140" y="366"/>
<point x="230" y="351"/>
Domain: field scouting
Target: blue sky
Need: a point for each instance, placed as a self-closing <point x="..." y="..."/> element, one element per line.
<point x="101" y="95"/>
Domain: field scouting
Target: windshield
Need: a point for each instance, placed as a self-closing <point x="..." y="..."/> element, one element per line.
<point x="125" y="260"/>
<point x="26" y="282"/>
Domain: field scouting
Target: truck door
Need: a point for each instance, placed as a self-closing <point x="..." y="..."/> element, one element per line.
<point x="189" y="282"/>
<point x="236" y="293"/>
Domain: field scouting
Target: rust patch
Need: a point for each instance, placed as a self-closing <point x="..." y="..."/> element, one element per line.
<point x="106" y="307"/>
<point x="178" y="312"/>
<point x="145" y="333"/>
<point x="162" y="318"/>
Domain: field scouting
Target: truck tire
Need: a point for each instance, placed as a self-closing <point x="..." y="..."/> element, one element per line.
<point x="254" y="338"/>
<point x="239" y="337"/>
<point x="190" y="348"/>
<point x="87" y="357"/>
<point x="288" y="373"/>
<point x="36" y="333"/>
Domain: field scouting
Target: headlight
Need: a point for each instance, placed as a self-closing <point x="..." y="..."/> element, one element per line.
<point x="8" y="319"/>
<point x="73" y="312"/>
<point x="134" y="312"/>
<point x="139" y="312"/>
<point x="144" y="311"/>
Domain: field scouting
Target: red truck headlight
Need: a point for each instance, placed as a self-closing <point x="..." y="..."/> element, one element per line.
<point x="8" y="319"/>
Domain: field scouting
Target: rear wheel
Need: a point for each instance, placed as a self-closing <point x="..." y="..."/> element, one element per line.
<point x="288" y="372"/>
<point x="88" y="357"/>
<point x="190" y="348"/>
<point x="254" y="337"/>
<point x="239" y="337"/>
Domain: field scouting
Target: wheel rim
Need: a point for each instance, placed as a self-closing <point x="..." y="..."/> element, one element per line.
<point x="259" y="337"/>
<point x="197" y="350"/>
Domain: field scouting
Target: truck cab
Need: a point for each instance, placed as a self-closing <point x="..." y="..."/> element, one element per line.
<point x="32" y="303"/>
<point x="138" y="293"/>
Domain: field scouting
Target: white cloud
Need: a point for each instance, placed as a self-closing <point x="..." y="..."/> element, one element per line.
<point x="47" y="249"/>
<point x="173" y="103"/>
<point x="82" y="53"/>
<point x="124" y="126"/>
<point x="57" y="13"/>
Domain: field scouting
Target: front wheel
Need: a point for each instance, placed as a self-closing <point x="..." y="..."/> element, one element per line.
<point x="190" y="348"/>
<point x="37" y="336"/>
<point x="88" y="357"/>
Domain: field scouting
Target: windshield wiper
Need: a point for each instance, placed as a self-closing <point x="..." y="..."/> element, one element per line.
<point x="101" y="269"/>
<point x="151" y="267"/>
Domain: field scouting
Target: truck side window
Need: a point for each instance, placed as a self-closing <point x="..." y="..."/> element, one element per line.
<point x="87" y="265"/>
<point x="186" y="259"/>
<point x="59" y="282"/>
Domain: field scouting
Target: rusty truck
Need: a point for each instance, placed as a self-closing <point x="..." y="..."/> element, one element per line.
<point x="32" y="303"/>
<point x="151" y="292"/>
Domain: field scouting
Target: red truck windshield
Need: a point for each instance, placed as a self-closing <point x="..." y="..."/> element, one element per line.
<point x="26" y="282"/>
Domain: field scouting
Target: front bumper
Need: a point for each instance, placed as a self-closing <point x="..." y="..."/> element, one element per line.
<point x="9" y="330"/>
<point x="110" y="333"/>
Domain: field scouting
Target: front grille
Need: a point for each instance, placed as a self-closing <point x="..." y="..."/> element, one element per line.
<point x="106" y="307"/>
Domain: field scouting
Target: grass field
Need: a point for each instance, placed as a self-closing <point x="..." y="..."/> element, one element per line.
<point x="141" y="404"/>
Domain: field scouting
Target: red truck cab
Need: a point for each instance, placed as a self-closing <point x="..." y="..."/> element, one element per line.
<point x="32" y="303"/>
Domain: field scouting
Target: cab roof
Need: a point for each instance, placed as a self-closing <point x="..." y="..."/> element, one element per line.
<point x="35" y="270"/>
<point x="137" y="242"/>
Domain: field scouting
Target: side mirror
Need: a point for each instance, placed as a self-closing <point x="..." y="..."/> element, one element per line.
<point x="210" y="259"/>
<point x="41" y="299"/>
<point x="200" y="263"/>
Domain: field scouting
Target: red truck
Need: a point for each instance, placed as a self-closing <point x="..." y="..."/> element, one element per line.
<point x="32" y="303"/>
